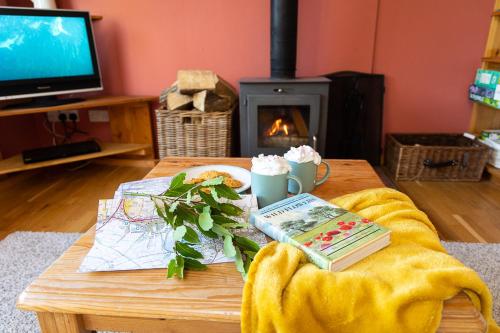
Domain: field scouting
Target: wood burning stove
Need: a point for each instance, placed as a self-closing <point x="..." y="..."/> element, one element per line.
<point x="283" y="111"/>
<point x="276" y="114"/>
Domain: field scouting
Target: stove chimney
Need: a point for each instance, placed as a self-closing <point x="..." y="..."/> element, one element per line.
<point x="283" y="38"/>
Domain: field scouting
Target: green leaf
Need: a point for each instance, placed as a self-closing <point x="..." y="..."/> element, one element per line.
<point x="250" y="254"/>
<point x="172" y="268"/>
<point x="221" y="231"/>
<point x="207" y="198"/>
<point x="179" y="233"/>
<point x="209" y="233"/>
<point x="187" y="213"/>
<point x="240" y="266"/>
<point x="173" y="207"/>
<point x="227" y="192"/>
<point x="194" y="264"/>
<point x="177" y="222"/>
<point x="229" y="249"/>
<point x="187" y="251"/>
<point x="221" y="219"/>
<point x="177" y="181"/>
<point x="205" y="220"/>
<point x="213" y="181"/>
<point x="215" y="211"/>
<point x="213" y="192"/>
<point x="179" y="191"/>
<point x="199" y="207"/>
<point x="246" y="244"/>
<point x="230" y="209"/>
<point x="246" y="267"/>
<point x="166" y="214"/>
<point x="180" y="267"/>
<point x="191" y="236"/>
<point x="160" y="212"/>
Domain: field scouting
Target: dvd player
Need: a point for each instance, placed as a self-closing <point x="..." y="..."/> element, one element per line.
<point x="60" y="151"/>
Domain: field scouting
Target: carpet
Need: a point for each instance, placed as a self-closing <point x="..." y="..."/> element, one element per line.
<point x="485" y="260"/>
<point x="24" y="255"/>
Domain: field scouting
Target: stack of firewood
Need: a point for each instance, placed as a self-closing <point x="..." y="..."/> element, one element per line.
<point x="198" y="90"/>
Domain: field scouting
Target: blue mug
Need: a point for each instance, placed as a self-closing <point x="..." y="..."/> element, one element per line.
<point x="306" y="172"/>
<point x="271" y="189"/>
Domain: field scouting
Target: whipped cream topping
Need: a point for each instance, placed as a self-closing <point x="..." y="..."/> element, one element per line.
<point x="270" y="165"/>
<point x="303" y="154"/>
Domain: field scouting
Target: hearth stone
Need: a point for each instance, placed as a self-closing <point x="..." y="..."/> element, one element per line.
<point x="276" y="114"/>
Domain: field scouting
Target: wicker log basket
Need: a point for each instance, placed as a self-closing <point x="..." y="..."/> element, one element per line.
<point x="445" y="157"/>
<point x="195" y="116"/>
<point x="194" y="133"/>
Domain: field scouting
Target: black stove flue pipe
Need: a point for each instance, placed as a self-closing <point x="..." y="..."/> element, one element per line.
<point x="283" y="38"/>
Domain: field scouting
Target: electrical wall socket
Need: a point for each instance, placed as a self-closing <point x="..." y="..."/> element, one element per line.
<point x="98" y="116"/>
<point x="54" y="115"/>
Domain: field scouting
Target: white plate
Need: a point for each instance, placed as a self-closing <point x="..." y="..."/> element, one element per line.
<point x="243" y="175"/>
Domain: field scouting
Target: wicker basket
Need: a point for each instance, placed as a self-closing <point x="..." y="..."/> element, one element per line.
<point x="447" y="157"/>
<point x="194" y="133"/>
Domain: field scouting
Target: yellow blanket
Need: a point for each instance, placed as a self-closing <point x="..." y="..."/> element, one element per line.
<point x="398" y="289"/>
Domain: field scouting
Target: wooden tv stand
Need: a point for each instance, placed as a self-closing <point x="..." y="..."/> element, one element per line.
<point x="129" y="119"/>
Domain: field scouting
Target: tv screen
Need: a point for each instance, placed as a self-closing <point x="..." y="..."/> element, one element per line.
<point x="46" y="52"/>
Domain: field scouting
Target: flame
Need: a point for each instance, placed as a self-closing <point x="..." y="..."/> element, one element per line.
<point x="278" y="128"/>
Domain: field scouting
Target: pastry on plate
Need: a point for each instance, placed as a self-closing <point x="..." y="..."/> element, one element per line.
<point x="211" y="174"/>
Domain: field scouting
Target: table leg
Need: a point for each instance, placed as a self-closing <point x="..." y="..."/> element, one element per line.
<point x="61" y="323"/>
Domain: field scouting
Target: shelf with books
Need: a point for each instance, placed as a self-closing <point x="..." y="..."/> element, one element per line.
<point x="495" y="60"/>
<point x="486" y="104"/>
<point x="485" y="116"/>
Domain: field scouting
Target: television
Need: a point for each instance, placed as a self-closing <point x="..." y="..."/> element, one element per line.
<point x="46" y="53"/>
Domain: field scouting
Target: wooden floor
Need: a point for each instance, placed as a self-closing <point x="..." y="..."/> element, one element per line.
<point x="59" y="199"/>
<point x="461" y="211"/>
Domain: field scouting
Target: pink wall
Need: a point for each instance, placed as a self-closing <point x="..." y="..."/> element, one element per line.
<point x="427" y="49"/>
<point x="144" y="43"/>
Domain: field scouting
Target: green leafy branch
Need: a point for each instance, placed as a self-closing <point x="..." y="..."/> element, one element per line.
<point x="190" y="207"/>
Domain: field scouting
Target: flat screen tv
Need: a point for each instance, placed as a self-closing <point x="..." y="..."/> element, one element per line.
<point x="46" y="53"/>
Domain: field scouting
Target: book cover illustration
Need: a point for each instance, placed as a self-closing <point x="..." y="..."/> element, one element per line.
<point x="322" y="230"/>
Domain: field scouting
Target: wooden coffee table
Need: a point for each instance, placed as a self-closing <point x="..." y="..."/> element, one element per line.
<point x="209" y="301"/>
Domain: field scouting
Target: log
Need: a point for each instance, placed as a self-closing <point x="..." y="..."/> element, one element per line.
<point x="208" y="102"/>
<point x="178" y="101"/>
<point x="224" y="89"/>
<point x="300" y="124"/>
<point x="163" y="97"/>
<point x="193" y="81"/>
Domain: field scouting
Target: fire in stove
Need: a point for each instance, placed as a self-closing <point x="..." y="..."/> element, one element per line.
<point x="278" y="128"/>
<point x="283" y="133"/>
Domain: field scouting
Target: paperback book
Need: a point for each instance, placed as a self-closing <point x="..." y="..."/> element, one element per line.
<point x="333" y="238"/>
